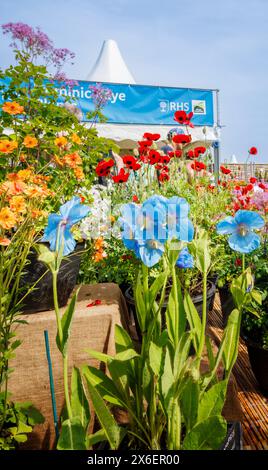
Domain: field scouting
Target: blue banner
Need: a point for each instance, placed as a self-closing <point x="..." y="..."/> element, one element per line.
<point x="143" y="104"/>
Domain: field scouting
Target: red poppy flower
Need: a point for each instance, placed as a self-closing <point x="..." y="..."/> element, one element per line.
<point x="154" y="157"/>
<point x="94" y="303"/>
<point x="135" y="198"/>
<point x="253" y="151"/>
<point x="237" y="188"/>
<point x="150" y="136"/>
<point x="249" y="187"/>
<point x="131" y="162"/>
<point x="198" y="166"/>
<point x="184" y="119"/>
<point x="262" y="186"/>
<point x="224" y="184"/>
<point x="176" y="153"/>
<point x="190" y="154"/>
<point x="126" y="257"/>
<point x="104" y="167"/>
<point x="238" y="262"/>
<point x="224" y="170"/>
<point x="181" y="139"/>
<point x="164" y="159"/>
<point x="199" y="151"/>
<point x="159" y="166"/>
<point x="163" y="177"/>
<point x="122" y="176"/>
<point x="253" y="180"/>
<point x="211" y="187"/>
<point x="180" y="117"/>
<point x="165" y="168"/>
<point x="145" y="143"/>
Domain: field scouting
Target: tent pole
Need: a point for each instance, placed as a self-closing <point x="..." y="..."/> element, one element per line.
<point x="216" y="144"/>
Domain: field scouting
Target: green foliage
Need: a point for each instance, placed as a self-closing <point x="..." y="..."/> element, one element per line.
<point x="16" y="422"/>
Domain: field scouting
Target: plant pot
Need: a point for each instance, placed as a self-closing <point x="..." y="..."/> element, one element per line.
<point x="258" y="358"/>
<point x="197" y="300"/>
<point x="227" y="303"/>
<point x="41" y="297"/>
<point x="233" y="440"/>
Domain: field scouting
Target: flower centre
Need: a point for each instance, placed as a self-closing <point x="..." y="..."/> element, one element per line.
<point x="243" y="230"/>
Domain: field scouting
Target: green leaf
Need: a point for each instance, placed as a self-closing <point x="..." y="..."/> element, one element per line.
<point x="189" y="403"/>
<point x="126" y="355"/>
<point x="20" y="438"/>
<point x="79" y="402"/>
<point x="72" y="436"/>
<point x="212" y="401"/>
<point x="93" y="439"/>
<point x="257" y="296"/>
<point x="104" y="385"/>
<point x="231" y="340"/>
<point x="66" y="322"/>
<point x="122" y="339"/>
<point x="155" y="358"/>
<point x="193" y="319"/>
<point x="156" y="287"/>
<point x="206" y="435"/>
<point x="105" y="417"/>
<point x="34" y="416"/>
<point x="200" y="248"/>
<point x="100" y="356"/>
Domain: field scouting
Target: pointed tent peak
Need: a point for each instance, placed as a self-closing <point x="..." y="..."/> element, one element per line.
<point x="110" y="65"/>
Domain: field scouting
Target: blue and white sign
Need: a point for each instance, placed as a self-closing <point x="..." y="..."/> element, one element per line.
<point x="143" y="104"/>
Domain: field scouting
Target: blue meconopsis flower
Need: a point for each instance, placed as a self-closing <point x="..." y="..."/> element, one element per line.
<point x="241" y="230"/>
<point x="146" y="227"/>
<point x="185" y="259"/>
<point x="59" y="226"/>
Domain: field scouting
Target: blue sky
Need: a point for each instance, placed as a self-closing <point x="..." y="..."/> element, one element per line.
<point x="193" y="43"/>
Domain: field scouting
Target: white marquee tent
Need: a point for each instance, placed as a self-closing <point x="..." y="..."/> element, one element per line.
<point x="110" y="67"/>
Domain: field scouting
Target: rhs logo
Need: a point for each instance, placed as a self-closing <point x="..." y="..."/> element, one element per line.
<point x="199" y="107"/>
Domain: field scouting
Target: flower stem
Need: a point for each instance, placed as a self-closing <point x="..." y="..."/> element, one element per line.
<point x="243" y="262"/>
<point x="204" y="316"/>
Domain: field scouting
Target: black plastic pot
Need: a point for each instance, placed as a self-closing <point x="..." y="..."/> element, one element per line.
<point x="41" y="297"/>
<point x="227" y="303"/>
<point x="258" y="358"/>
<point x="233" y="440"/>
<point x="197" y="300"/>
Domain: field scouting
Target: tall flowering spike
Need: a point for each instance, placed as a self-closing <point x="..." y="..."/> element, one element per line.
<point x="241" y="230"/>
<point x="59" y="226"/>
<point x="100" y="95"/>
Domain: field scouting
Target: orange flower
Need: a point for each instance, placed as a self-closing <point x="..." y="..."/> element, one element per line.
<point x="13" y="177"/>
<point x="36" y="191"/>
<point x="36" y="213"/>
<point x="5" y="241"/>
<point x="58" y="160"/>
<point x="72" y="159"/>
<point x="79" y="173"/>
<point x="17" y="204"/>
<point x="22" y="157"/>
<point x="99" y="243"/>
<point x="8" y="146"/>
<point x="60" y="141"/>
<point x="76" y="139"/>
<point x="25" y="175"/>
<point x="13" y="187"/>
<point x="30" y="142"/>
<point x="7" y="218"/>
<point x="39" y="179"/>
<point x="12" y="107"/>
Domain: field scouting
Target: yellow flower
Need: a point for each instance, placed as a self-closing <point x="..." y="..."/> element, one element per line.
<point x="58" y="160"/>
<point x="60" y="141"/>
<point x="8" y="146"/>
<point x="72" y="160"/>
<point x="25" y="175"/>
<point x="7" y="218"/>
<point x="79" y="173"/>
<point x="12" y="107"/>
<point x="76" y="139"/>
<point x="12" y="188"/>
<point x="30" y="142"/>
<point x="36" y="213"/>
<point x="18" y="204"/>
